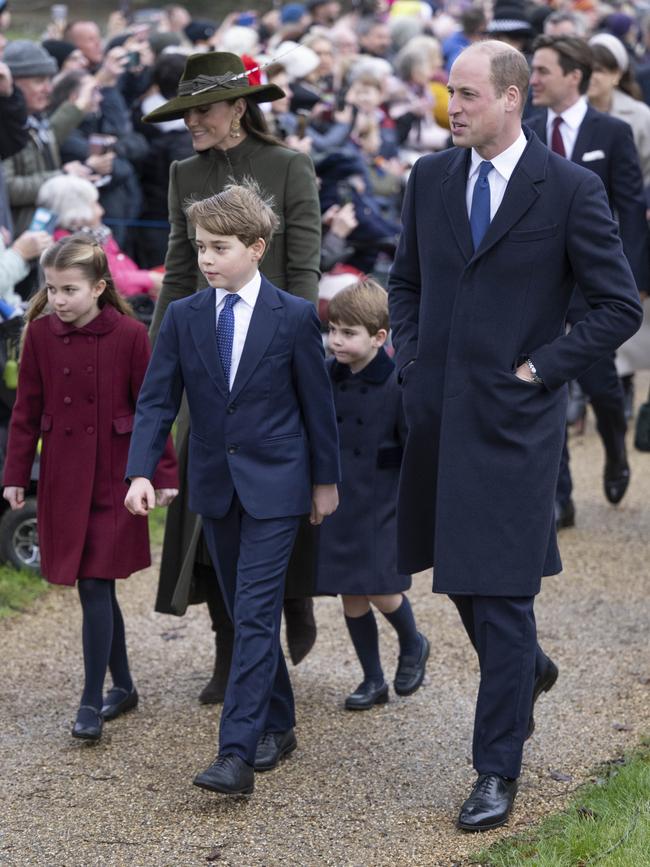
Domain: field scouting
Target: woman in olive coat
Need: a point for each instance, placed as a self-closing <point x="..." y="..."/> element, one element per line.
<point x="220" y="108"/>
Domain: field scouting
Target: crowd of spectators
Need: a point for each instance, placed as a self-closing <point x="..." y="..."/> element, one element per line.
<point x="366" y="95"/>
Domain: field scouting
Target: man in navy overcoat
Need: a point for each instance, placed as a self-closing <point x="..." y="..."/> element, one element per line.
<point x="496" y="233"/>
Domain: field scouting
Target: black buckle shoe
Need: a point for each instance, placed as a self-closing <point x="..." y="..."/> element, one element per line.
<point x="410" y="670"/>
<point x="367" y="695"/>
<point x="271" y="747"/>
<point x="118" y="701"/>
<point x="544" y="682"/>
<point x="230" y="775"/>
<point x="615" y="481"/>
<point x="88" y="725"/>
<point x="489" y="804"/>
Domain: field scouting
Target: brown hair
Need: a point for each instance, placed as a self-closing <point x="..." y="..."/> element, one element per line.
<point x="572" y="53"/>
<point x="604" y="59"/>
<point x="84" y="253"/>
<point x="364" y="303"/>
<point x="240" y="210"/>
<point x="254" y="123"/>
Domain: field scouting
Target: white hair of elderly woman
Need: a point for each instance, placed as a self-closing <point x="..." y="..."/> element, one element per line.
<point x="72" y="199"/>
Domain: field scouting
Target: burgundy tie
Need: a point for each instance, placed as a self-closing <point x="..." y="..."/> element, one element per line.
<point x="557" y="145"/>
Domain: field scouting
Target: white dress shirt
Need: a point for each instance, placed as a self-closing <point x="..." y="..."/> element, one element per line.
<point x="569" y="129"/>
<point x="243" y="311"/>
<point x="504" y="165"/>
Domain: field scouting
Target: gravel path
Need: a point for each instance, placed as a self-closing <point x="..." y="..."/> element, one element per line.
<point x="363" y="790"/>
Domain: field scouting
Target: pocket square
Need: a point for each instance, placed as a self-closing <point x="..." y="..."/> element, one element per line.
<point x="590" y="156"/>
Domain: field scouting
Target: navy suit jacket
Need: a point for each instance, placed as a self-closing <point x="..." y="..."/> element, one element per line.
<point x="608" y="145"/>
<point x="269" y="439"/>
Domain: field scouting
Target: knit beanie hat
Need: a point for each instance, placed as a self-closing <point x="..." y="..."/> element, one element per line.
<point x="59" y="49"/>
<point x="28" y="59"/>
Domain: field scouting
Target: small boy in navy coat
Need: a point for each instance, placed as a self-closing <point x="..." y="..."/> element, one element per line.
<point x="357" y="551"/>
<point x="263" y="451"/>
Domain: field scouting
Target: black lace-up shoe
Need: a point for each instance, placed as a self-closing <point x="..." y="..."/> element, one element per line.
<point x="489" y="804"/>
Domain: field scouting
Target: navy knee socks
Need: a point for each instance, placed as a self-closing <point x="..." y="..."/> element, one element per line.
<point x="102" y="638"/>
<point x="365" y="638"/>
<point x="403" y="622"/>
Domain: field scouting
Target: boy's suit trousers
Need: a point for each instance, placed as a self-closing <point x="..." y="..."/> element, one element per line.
<point x="250" y="557"/>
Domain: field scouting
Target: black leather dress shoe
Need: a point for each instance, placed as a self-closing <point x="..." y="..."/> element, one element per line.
<point x="118" y="701"/>
<point x="489" y="804"/>
<point x="367" y="695"/>
<point x="543" y="682"/>
<point x="615" y="480"/>
<point x="410" y="670"/>
<point x="565" y="515"/>
<point x="230" y="775"/>
<point x="88" y="725"/>
<point x="271" y="747"/>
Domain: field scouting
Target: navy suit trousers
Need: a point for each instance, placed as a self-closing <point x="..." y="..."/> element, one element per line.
<point x="250" y="557"/>
<point x="502" y="630"/>
<point x="603" y="387"/>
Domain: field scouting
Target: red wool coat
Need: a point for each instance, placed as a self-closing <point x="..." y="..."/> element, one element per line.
<point x="77" y="390"/>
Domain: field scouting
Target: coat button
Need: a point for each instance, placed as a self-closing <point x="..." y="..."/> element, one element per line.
<point x="66" y="371"/>
<point x="231" y="409"/>
<point x="90" y="339"/>
<point x="364" y="389"/>
<point x="343" y="387"/>
<point x="67" y="401"/>
<point x="339" y="419"/>
<point x="91" y="398"/>
<point x="359" y="421"/>
<point x="356" y="452"/>
<point x="90" y="368"/>
<point x="68" y="431"/>
<point x="66" y="340"/>
<point x="90" y="429"/>
<point x="232" y="450"/>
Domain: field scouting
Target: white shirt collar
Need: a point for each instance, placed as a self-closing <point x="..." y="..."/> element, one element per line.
<point x="572" y="116"/>
<point x="247" y="293"/>
<point x="505" y="162"/>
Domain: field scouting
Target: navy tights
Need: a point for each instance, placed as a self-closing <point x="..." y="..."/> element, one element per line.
<point x="103" y="637"/>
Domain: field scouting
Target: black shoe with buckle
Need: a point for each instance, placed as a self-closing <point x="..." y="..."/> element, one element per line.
<point x="543" y="682"/>
<point x="489" y="804"/>
<point x="616" y="480"/>
<point x="367" y="695"/>
<point x="271" y="747"/>
<point x="88" y="725"/>
<point x="230" y="775"/>
<point x="410" y="669"/>
<point x="118" y="701"/>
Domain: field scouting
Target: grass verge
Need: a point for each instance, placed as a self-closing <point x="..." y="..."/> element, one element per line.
<point x="18" y="589"/>
<point x="607" y="823"/>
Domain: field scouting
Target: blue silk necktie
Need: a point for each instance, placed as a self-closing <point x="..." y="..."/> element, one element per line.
<point x="479" y="215"/>
<point x="226" y="334"/>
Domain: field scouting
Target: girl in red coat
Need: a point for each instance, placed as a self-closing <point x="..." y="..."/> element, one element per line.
<point x="81" y="369"/>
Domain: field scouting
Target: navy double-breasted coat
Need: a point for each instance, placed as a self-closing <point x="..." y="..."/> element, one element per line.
<point x="77" y="390"/>
<point x="481" y="460"/>
<point x="357" y="545"/>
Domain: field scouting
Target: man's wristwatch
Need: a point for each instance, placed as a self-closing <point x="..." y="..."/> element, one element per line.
<point x="533" y="370"/>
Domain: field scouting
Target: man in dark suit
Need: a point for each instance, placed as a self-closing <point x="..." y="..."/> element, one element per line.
<point x="561" y="69"/>
<point x="263" y="450"/>
<point x="496" y="233"/>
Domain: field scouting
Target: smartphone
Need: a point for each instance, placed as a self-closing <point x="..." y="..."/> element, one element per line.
<point x="59" y="13"/>
<point x="133" y="60"/>
<point x="43" y="220"/>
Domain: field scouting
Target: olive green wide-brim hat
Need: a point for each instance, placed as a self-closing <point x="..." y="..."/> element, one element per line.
<point x="212" y="77"/>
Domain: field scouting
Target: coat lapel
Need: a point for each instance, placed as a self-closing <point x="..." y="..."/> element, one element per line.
<point x="203" y="327"/>
<point x="454" y="185"/>
<point x="521" y="193"/>
<point x="263" y="325"/>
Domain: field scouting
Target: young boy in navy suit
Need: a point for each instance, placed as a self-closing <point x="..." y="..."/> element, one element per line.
<point x="263" y="451"/>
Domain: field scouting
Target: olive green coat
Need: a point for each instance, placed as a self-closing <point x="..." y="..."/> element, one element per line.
<point x="291" y="262"/>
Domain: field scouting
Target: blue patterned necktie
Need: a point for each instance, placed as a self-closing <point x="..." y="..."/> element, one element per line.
<point x="479" y="216"/>
<point x="226" y="333"/>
